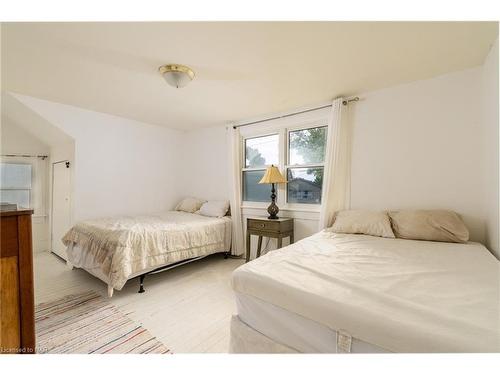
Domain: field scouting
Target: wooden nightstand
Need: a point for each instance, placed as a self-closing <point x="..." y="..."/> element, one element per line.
<point x="264" y="227"/>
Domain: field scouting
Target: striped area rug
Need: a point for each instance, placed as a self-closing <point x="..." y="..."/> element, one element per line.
<point x="86" y="323"/>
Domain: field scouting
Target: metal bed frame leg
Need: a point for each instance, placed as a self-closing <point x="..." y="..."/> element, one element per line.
<point x="227" y="254"/>
<point x="141" y="284"/>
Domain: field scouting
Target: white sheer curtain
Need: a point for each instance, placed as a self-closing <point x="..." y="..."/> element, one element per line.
<point x="337" y="174"/>
<point x="234" y="155"/>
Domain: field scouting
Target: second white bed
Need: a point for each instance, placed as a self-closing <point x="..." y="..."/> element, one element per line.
<point x="387" y="294"/>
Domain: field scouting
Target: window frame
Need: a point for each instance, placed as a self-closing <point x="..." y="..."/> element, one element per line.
<point x="283" y="132"/>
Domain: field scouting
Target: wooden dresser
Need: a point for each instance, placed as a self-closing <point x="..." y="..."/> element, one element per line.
<point x="17" y="333"/>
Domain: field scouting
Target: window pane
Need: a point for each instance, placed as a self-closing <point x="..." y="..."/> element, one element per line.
<point x="307" y="146"/>
<point x="305" y="185"/>
<point x="252" y="190"/>
<point x="261" y="151"/>
<point x="21" y="197"/>
<point x="15" y="176"/>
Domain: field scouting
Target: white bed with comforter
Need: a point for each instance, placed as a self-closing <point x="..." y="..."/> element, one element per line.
<point x="117" y="249"/>
<point x="357" y="293"/>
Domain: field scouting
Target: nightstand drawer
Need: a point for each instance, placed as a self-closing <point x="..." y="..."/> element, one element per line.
<point x="271" y="226"/>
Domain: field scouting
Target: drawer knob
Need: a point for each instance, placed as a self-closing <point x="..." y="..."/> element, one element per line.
<point x="262" y="225"/>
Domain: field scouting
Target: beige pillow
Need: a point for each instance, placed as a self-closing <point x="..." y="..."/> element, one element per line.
<point x="429" y="225"/>
<point x="373" y="223"/>
<point x="190" y="205"/>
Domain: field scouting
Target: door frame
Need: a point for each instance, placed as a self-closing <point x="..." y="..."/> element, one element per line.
<point x="68" y="165"/>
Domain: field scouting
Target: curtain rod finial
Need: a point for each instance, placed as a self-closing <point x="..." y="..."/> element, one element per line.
<point x="347" y="101"/>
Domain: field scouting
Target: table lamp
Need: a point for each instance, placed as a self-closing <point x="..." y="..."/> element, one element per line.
<point x="273" y="176"/>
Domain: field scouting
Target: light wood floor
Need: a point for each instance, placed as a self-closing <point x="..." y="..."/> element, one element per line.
<point x="187" y="308"/>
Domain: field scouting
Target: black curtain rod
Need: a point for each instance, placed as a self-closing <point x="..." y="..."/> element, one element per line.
<point x="344" y="102"/>
<point x="43" y="157"/>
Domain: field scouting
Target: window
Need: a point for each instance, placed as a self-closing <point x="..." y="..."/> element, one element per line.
<point x="260" y="152"/>
<point x="304" y="185"/>
<point x="306" y="156"/>
<point x="300" y="155"/>
<point x="15" y="184"/>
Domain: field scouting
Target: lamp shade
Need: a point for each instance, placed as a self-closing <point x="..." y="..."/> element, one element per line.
<point x="272" y="176"/>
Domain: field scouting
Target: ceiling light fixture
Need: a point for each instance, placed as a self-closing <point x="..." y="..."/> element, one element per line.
<point x="176" y="75"/>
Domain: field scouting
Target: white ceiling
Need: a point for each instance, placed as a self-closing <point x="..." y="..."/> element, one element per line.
<point x="243" y="69"/>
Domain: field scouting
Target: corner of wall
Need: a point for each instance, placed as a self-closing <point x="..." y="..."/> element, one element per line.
<point x="491" y="140"/>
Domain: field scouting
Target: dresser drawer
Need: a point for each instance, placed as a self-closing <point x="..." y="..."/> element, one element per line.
<point x="17" y="310"/>
<point x="270" y="226"/>
<point x="8" y="239"/>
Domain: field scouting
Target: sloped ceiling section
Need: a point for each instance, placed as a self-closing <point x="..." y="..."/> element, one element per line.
<point x="243" y="69"/>
<point x="30" y="121"/>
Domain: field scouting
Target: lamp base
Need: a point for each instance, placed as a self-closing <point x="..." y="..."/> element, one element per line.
<point x="273" y="211"/>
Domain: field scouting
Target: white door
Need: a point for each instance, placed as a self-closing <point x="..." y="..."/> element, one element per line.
<point x="61" y="205"/>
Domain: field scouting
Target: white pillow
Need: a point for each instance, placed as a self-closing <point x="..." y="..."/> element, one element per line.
<point x="189" y="205"/>
<point x="214" y="208"/>
<point x="373" y="223"/>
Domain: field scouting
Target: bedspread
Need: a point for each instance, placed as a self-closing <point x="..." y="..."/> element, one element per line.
<point x="122" y="246"/>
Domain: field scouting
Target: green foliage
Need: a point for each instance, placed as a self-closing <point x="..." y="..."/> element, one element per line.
<point x="318" y="175"/>
<point x="254" y="157"/>
<point x="311" y="145"/>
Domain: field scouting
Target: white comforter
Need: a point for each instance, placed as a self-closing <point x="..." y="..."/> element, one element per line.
<point x="401" y="295"/>
<point x="123" y="246"/>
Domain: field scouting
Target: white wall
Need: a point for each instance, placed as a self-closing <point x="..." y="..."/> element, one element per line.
<point x="121" y="166"/>
<point x="490" y="148"/>
<point x="15" y="140"/>
<point x="419" y="145"/>
<point x="205" y="164"/>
